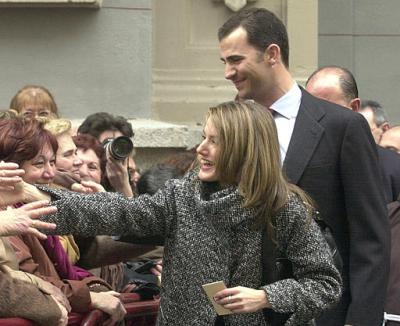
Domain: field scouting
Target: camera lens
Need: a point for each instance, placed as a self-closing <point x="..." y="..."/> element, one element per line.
<point x="119" y="148"/>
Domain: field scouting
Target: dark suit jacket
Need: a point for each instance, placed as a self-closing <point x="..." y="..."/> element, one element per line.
<point x="390" y="165"/>
<point x="392" y="305"/>
<point x="333" y="157"/>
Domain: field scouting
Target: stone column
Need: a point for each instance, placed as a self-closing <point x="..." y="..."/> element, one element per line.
<point x="188" y="75"/>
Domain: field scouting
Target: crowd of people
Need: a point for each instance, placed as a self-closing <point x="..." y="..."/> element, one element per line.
<point x="77" y="273"/>
<point x="248" y="200"/>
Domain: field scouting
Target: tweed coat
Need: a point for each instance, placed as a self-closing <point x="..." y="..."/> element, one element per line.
<point x="209" y="237"/>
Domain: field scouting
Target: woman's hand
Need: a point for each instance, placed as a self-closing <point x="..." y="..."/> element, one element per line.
<point x="10" y="174"/>
<point x="117" y="175"/>
<point x="157" y="269"/>
<point x="87" y="187"/>
<point x="110" y="304"/>
<point x="22" y="220"/>
<point x="242" y="300"/>
<point x="65" y="179"/>
<point x="10" y="184"/>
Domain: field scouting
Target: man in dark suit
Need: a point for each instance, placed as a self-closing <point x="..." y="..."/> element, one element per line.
<point x="338" y="85"/>
<point x="391" y="139"/>
<point x="376" y="118"/>
<point x="326" y="150"/>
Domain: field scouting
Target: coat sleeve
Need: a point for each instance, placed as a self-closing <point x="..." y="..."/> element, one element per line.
<point x="112" y="213"/>
<point x="21" y="299"/>
<point x="317" y="283"/>
<point x="369" y="233"/>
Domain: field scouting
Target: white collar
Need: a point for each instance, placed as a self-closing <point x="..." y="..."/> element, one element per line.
<point x="288" y="105"/>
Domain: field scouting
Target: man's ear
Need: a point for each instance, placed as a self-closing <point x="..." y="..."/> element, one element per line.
<point x="385" y="126"/>
<point x="272" y="54"/>
<point x="355" y="104"/>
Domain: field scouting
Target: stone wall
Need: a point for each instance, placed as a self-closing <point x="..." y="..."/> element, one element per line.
<point x="363" y="36"/>
<point x="155" y="62"/>
<point x="91" y="59"/>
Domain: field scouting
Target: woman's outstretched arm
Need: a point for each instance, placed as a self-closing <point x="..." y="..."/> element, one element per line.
<point x="112" y="213"/>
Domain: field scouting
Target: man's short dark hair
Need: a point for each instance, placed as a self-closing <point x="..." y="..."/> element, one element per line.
<point x="155" y="178"/>
<point x="379" y="113"/>
<point x="96" y="123"/>
<point x="347" y="81"/>
<point x="263" y="29"/>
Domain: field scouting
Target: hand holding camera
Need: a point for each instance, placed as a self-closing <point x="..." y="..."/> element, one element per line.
<point x="118" y="150"/>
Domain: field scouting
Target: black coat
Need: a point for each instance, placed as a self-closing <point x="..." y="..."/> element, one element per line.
<point x="333" y="157"/>
<point x="392" y="305"/>
<point x="390" y="164"/>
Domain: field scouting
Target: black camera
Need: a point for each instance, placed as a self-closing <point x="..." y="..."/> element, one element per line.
<point x="119" y="148"/>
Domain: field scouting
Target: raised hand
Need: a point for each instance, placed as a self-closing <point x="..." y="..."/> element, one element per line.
<point x="23" y="220"/>
<point x="117" y="174"/>
<point x="10" y="174"/>
<point x="87" y="187"/>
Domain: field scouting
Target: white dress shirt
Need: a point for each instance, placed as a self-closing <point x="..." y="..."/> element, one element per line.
<point x="286" y="109"/>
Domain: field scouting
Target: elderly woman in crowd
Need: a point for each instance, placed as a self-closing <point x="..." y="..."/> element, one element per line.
<point x="25" y="295"/>
<point x="34" y="149"/>
<point x="67" y="160"/>
<point x="93" y="158"/>
<point x="33" y="101"/>
<point x="66" y="170"/>
<point x="122" y="175"/>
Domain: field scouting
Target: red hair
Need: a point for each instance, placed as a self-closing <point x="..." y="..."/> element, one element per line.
<point x="21" y="140"/>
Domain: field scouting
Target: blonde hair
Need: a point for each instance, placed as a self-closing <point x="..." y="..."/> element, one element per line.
<point x="34" y="94"/>
<point x="250" y="158"/>
<point x="58" y="126"/>
<point x="8" y="114"/>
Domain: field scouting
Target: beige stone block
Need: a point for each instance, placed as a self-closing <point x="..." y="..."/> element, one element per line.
<point x="51" y="3"/>
<point x="188" y="76"/>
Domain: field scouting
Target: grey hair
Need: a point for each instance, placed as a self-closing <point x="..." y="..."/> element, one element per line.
<point x="380" y="115"/>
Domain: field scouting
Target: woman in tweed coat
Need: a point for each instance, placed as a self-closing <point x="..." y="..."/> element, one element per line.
<point x="211" y="223"/>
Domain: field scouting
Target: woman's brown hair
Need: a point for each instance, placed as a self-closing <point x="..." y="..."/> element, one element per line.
<point x="250" y="157"/>
<point x="21" y="140"/>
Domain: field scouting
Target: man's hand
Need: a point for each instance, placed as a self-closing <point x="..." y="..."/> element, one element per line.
<point x="22" y="220"/>
<point x="110" y="304"/>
